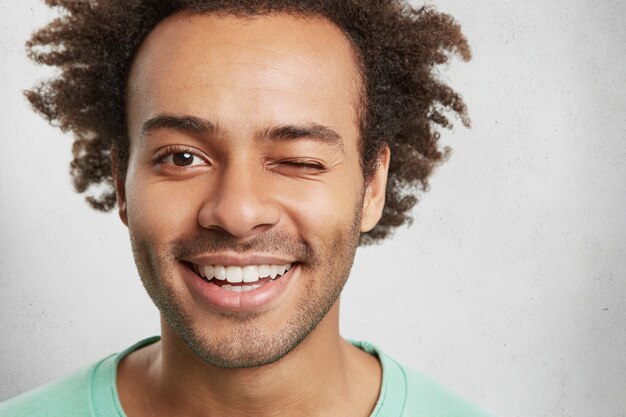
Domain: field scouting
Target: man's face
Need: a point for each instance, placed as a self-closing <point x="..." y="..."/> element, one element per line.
<point x="243" y="160"/>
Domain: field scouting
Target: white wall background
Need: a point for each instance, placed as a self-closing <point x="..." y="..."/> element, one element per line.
<point x="510" y="286"/>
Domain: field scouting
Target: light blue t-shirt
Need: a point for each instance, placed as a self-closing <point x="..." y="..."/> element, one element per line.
<point x="92" y="392"/>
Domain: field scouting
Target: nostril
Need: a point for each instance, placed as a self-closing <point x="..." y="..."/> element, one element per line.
<point x="238" y="220"/>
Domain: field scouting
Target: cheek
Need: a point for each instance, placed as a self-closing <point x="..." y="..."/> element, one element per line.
<point x="321" y="210"/>
<point x="159" y="210"/>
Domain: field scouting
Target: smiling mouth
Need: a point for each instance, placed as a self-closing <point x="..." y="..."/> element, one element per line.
<point x="239" y="278"/>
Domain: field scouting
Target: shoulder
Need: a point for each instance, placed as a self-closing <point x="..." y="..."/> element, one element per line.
<point x="88" y="392"/>
<point x="425" y="396"/>
<point x="408" y="393"/>
<point x="66" y="397"/>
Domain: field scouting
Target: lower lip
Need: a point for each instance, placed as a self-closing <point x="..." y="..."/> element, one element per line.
<point x="246" y="301"/>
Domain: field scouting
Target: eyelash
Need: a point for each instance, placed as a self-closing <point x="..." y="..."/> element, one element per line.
<point x="303" y="164"/>
<point x="173" y="150"/>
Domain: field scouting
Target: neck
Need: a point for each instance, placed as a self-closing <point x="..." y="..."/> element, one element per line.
<point x="322" y="372"/>
<point x="294" y="381"/>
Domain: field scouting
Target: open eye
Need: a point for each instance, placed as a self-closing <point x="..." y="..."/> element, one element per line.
<point x="183" y="159"/>
<point x="180" y="157"/>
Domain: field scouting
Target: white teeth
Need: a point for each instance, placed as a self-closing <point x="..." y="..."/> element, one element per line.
<point x="264" y="271"/>
<point x="234" y="274"/>
<point x="250" y="273"/>
<point x="207" y="271"/>
<point x="273" y="271"/>
<point x="240" y="288"/>
<point x="219" y="272"/>
<point x="277" y="270"/>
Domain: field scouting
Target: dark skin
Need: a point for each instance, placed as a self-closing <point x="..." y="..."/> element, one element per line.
<point x="399" y="47"/>
<point x="243" y="187"/>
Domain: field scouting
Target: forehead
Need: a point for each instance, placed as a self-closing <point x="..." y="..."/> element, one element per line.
<point x="270" y="68"/>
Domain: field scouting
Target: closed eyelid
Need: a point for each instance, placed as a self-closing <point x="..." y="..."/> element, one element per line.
<point x="311" y="164"/>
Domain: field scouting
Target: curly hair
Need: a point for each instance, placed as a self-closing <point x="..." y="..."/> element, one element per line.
<point x="94" y="42"/>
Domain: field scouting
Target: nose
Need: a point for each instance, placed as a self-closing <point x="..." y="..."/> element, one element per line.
<point x="241" y="203"/>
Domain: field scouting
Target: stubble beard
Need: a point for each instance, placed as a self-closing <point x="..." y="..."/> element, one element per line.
<point x="246" y="345"/>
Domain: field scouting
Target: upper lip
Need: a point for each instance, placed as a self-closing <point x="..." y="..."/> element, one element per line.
<point x="234" y="260"/>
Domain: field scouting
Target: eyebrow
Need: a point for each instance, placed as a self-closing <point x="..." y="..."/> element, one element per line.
<point x="190" y="124"/>
<point x="314" y="131"/>
<point x="199" y="126"/>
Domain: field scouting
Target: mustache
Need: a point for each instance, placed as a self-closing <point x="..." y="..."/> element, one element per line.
<point x="271" y="242"/>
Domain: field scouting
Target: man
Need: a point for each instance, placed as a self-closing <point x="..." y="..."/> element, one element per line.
<point x="250" y="145"/>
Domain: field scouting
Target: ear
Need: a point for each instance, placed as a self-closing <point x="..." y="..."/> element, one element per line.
<point x="374" y="198"/>
<point x="120" y="189"/>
